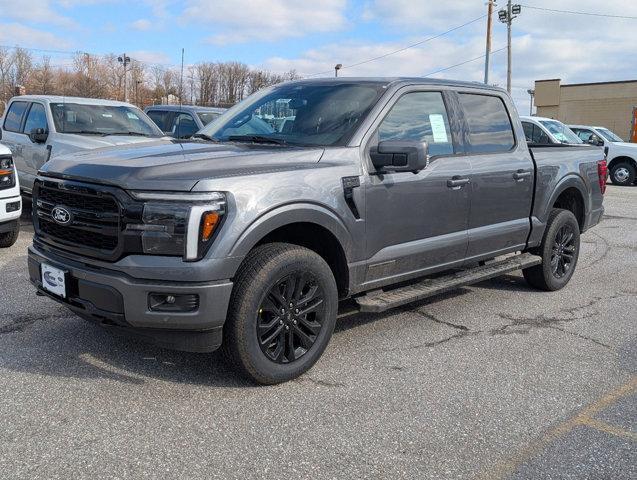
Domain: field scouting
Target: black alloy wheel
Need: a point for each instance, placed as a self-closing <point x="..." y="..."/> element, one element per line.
<point x="564" y="250"/>
<point x="290" y="317"/>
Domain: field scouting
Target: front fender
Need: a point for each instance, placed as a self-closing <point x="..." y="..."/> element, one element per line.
<point x="286" y="215"/>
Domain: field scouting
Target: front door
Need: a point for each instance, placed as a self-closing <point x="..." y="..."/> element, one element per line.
<point x="34" y="154"/>
<point x="502" y="177"/>
<point x="417" y="223"/>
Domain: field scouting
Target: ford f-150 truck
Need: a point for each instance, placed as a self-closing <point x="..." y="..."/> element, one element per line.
<point x="247" y="237"/>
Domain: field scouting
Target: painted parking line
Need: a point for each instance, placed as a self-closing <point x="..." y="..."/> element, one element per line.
<point x="584" y="417"/>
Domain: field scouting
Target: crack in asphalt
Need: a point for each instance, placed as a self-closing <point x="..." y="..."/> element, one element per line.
<point x="322" y="383"/>
<point x="20" y="323"/>
<point x="606" y="250"/>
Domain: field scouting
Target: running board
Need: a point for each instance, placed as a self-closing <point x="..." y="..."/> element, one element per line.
<point x="379" y="300"/>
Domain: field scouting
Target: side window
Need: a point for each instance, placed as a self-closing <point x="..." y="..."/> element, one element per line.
<point x="490" y="129"/>
<point x="36" y="118"/>
<point x="419" y="116"/>
<point x="585" y="135"/>
<point x="162" y="119"/>
<point x="528" y="131"/>
<point x="184" y="126"/>
<point x="13" y="120"/>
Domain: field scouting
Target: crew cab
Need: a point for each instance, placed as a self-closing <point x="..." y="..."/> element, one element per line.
<point x="248" y="237"/>
<point x="37" y="128"/>
<point x="10" y="201"/>
<point x="621" y="156"/>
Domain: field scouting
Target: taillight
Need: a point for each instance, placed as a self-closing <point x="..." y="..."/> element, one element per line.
<point x="602" y="174"/>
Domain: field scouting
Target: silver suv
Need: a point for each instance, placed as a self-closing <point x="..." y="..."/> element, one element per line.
<point x="39" y="127"/>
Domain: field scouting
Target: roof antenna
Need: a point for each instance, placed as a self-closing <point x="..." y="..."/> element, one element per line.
<point x="181" y="92"/>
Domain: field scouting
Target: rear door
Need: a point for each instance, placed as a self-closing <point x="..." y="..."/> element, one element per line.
<point x="13" y="137"/>
<point x="502" y="176"/>
<point x="416" y="222"/>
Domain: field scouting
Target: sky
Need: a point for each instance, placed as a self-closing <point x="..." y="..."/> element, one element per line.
<point x="311" y="36"/>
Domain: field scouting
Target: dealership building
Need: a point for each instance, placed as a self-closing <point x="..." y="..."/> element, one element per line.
<point x="605" y="104"/>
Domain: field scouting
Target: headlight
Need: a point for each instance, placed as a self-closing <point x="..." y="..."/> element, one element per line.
<point x="179" y="223"/>
<point x="7" y="174"/>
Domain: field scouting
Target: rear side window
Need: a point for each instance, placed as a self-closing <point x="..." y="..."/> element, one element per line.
<point x="422" y="117"/>
<point x="535" y="134"/>
<point x="36" y="118"/>
<point x="13" y="120"/>
<point x="490" y="129"/>
<point x="584" y="135"/>
<point x="163" y="119"/>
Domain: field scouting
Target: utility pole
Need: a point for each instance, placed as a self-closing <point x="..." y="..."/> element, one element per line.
<point x="337" y="67"/>
<point x="531" y="93"/>
<point x="487" y="58"/>
<point x="507" y="16"/>
<point x="124" y="60"/>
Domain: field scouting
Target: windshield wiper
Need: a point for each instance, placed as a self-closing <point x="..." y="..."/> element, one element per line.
<point x="256" y="139"/>
<point x="136" y="134"/>
<point x="205" y="137"/>
<point x="85" y="132"/>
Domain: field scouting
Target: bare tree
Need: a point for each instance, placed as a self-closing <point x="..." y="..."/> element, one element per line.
<point x="43" y="78"/>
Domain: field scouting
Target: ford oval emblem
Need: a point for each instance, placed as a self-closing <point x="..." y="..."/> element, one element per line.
<point x="61" y="215"/>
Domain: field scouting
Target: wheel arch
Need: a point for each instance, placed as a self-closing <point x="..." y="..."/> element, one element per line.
<point x="621" y="159"/>
<point x="571" y="194"/>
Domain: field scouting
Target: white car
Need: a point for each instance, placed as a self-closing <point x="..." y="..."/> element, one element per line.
<point x="10" y="201"/>
<point x="541" y="130"/>
<point x="621" y="156"/>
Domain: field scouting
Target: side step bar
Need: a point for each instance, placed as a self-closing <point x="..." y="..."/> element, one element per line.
<point x="379" y="300"/>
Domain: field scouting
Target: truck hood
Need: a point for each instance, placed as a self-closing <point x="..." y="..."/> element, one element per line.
<point x="85" y="142"/>
<point x="176" y="166"/>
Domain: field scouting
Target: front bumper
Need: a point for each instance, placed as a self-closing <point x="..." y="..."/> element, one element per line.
<point x="6" y="217"/>
<point x="121" y="302"/>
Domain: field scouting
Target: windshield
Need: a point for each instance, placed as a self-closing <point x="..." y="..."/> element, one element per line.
<point x="560" y="131"/>
<point x="608" y="135"/>
<point x="207" y="117"/>
<point x="102" y="120"/>
<point x="298" y="114"/>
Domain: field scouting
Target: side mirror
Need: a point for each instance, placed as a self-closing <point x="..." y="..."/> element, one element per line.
<point x="38" y="135"/>
<point x="399" y="156"/>
<point x="594" y="140"/>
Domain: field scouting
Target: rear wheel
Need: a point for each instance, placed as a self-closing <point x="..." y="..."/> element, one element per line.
<point x="623" y="173"/>
<point x="559" y="251"/>
<point x="282" y="313"/>
<point x="7" y="239"/>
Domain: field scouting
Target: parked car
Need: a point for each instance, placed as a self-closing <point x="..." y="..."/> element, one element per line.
<point x="541" y="130"/>
<point x="249" y="240"/>
<point x="10" y="201"/>
<point x="37" y="128"/>
<point x="622" y="156"/>
<point x="182" y="121"/>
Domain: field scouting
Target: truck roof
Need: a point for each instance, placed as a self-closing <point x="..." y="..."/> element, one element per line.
<point x="397" y="80"/>
<point x="65" y="99"/>
<point x="185" y="108"/>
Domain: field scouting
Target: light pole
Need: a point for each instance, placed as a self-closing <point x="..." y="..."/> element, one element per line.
<point x="531" y="93"/>
<point x="487" y="58"/>
<point x="124" y="60"/>
<point x="337" y="67"/>
<point x="507" y="16"/>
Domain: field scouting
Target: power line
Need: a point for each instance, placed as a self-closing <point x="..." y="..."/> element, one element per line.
<point x="463" y="63"/>
<point x="428" y="39"/>
<point x="573" y="12"/>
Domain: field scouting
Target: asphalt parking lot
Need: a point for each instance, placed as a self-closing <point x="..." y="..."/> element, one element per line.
<point x="491" y="381"/>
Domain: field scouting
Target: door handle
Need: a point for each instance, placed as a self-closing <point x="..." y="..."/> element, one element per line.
<point x="457" y="182"/>
<point x="521" y="175"/>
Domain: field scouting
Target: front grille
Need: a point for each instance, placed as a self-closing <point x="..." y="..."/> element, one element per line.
<point x="94" y="218"/>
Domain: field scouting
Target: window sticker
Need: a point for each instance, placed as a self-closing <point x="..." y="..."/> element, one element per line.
<point x="438" y="128"/>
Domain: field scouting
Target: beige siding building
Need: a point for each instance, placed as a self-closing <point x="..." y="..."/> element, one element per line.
<point x="605" y="104"/>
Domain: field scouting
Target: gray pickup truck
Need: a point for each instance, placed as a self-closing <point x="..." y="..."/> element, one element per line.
<point x="248" y="237"/>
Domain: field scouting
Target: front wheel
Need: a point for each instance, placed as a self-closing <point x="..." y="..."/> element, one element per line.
<point x="559" y="251"/>
<point x="282" y="313"/>
<point x="623" y="174"/>
<point x="7" y="239"/>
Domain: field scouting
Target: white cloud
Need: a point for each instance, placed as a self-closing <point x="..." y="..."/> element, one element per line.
<point x="142" y="24"/>
<point x="37" y="11"/>
<point x="18" y="34"/>
<point x="246" y="20"/>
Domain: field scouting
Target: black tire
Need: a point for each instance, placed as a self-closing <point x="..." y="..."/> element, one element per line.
<point x="623" y="173"/>
<point x="559" y="251"/>
<point x="262" y="287"/>
<point x="7" y="239"/>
